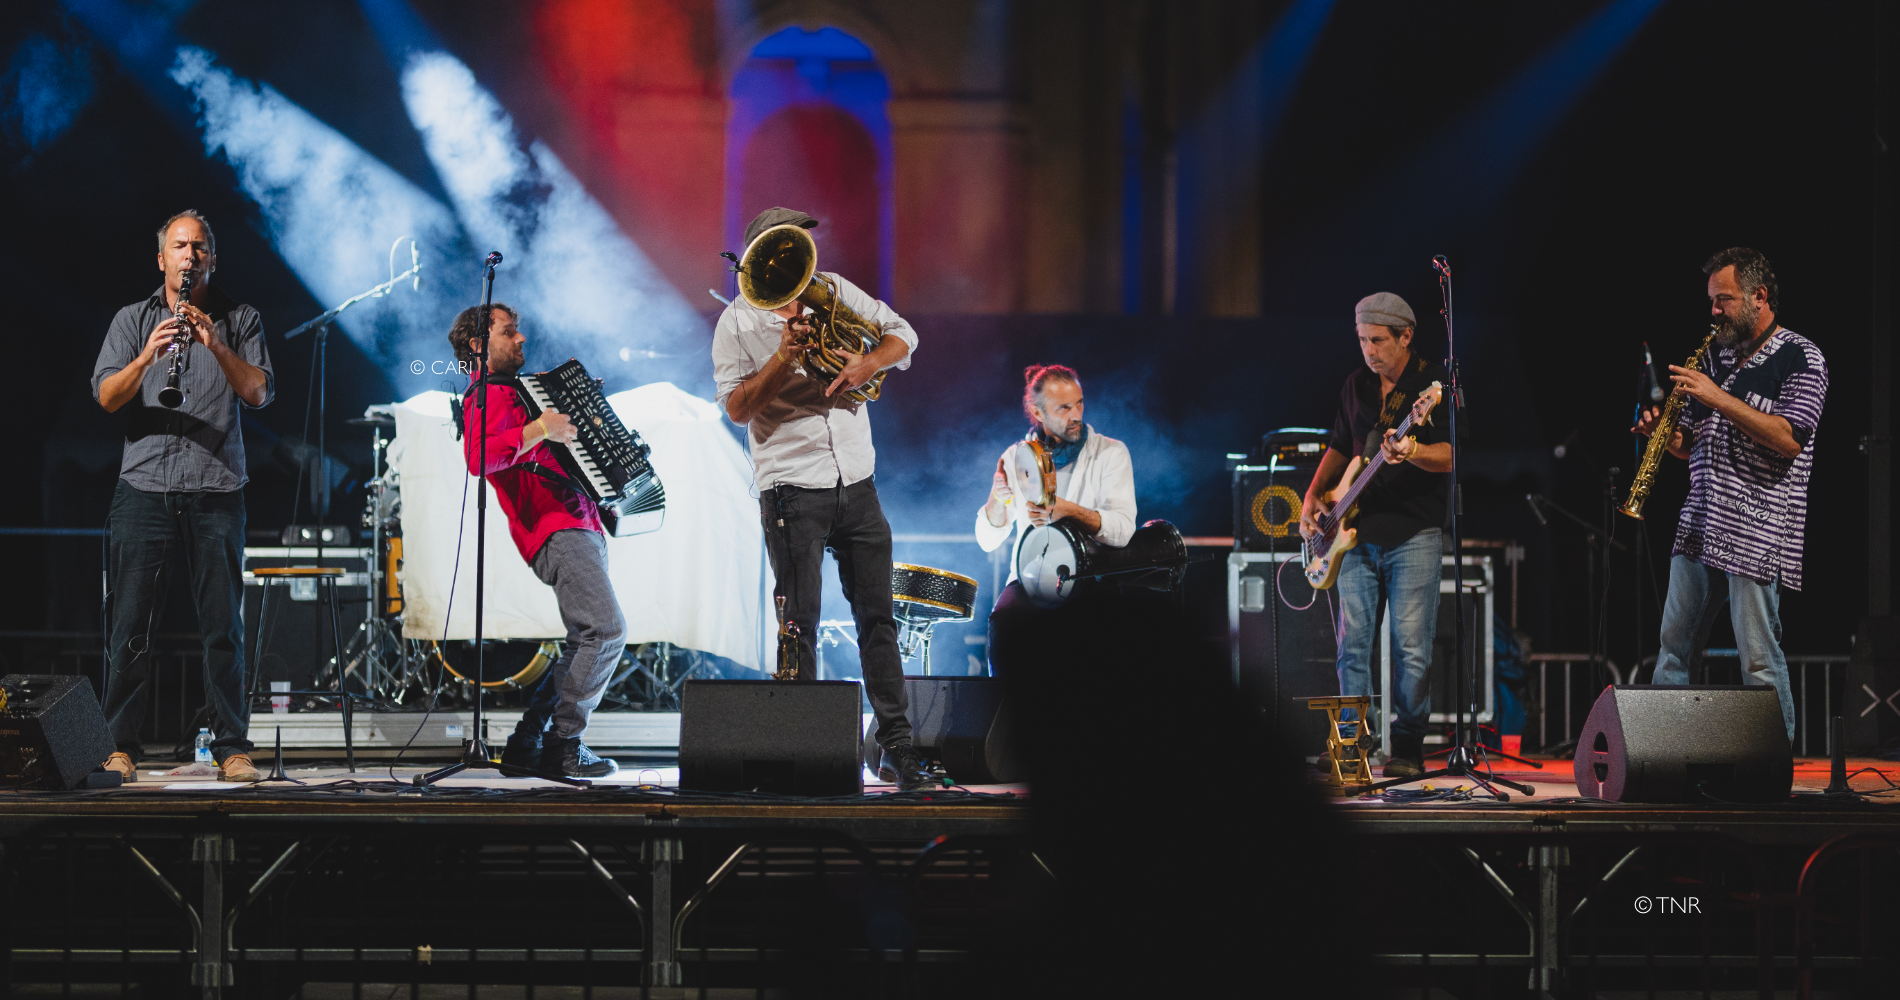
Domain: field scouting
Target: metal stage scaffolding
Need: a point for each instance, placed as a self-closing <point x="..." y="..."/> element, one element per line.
<point x="253" y="894"/>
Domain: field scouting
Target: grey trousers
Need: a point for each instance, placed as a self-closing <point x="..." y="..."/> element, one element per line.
<point x="574" y="563"/>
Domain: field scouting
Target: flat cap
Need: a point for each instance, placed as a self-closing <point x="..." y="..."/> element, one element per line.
<point x="1385" y="309"/>
<point x="775" y="217"/>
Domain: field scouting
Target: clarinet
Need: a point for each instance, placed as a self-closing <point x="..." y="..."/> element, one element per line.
<point x="172" y="396"/>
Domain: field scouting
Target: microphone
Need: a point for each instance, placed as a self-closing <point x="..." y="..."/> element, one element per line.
<point x="1655" y="380"/>
<point x="1531" y="498"/>
<point x="494" y="257"/>
<point x="415" y="264"/>
<point x="1442" y="265"/>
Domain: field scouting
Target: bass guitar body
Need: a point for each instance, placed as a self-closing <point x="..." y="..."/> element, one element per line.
<point x="1322" y="554"/>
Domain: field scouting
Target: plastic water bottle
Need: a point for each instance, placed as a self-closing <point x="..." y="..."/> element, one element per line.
<point x="203" y="755"/>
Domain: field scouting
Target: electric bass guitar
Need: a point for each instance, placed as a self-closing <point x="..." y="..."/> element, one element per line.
<point x="1320" y="554"/>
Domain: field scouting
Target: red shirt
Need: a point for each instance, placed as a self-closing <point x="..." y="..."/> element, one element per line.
<point x="536" y="508"/>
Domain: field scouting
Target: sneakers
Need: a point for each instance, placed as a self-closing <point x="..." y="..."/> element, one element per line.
<point x="903" y="766"/>
<point x="121" y="764"/>
<point x="522" y="750"/>
<point x="571" y="758"/>
<point x="238" y="767"/>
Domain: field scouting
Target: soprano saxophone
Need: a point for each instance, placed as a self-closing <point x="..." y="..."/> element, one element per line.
<point x="1659" y="438"/>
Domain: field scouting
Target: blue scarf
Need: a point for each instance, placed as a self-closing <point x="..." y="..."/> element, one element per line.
<point x="1061" y="452"/>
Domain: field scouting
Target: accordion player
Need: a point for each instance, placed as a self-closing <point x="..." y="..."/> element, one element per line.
<point x="607" y="460"/>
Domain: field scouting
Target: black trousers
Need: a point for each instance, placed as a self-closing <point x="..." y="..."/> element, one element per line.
<point x="800" y="524"/>
<point x="207" y="529"/>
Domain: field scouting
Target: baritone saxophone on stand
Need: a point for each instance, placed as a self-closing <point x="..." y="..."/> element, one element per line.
<point x="1659" y="438"/>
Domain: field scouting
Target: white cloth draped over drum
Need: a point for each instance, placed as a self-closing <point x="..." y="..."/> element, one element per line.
<point x="698" y="582"/>
<point x="1102" y="478"/>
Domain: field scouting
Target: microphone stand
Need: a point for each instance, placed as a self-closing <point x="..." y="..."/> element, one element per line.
<point x="1462" y="760"/>
<point x="320" y="480"/>
<point x="474" y="748"/>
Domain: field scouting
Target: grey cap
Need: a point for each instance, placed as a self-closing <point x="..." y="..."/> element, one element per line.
<point x="775" y="217"/>
<point x="1385" y="309"/>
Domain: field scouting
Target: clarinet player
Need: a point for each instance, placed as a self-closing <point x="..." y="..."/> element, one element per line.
<point x="180" y="365"/>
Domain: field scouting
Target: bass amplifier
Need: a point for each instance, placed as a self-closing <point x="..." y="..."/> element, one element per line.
<point x="1270" y="487"/>
<point x="1281" y="650"/>
<point x="1282" y="644"/>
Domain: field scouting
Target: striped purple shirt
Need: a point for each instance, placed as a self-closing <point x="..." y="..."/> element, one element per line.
<point x="1747" y="506"/>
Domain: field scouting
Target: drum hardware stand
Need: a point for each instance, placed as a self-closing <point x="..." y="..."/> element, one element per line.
<point x="1463" y="759"/>
<point x="474" y="748"/>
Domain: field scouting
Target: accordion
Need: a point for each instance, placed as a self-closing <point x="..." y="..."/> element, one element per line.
<point x="607" y="460"/>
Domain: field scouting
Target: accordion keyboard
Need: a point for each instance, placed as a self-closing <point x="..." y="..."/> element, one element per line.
<point x="606" y="456"/>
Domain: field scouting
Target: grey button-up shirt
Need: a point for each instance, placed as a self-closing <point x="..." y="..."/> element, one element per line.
<point x="197" y="447"/>
<point x="802" y="437"/>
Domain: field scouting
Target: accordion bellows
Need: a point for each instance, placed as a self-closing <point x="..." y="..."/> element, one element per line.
<point x="607" y="458"/>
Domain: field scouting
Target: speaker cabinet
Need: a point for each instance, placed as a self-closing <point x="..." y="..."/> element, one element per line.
<point x="788" y="737"/>
<point x="963" y="722"/>
<point x="1688" y="743"/>
<point x="1280" y="654"/>
<point x="52" y="733"/>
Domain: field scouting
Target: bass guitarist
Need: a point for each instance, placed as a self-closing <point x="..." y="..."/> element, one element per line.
<point x="1400" y="519"/>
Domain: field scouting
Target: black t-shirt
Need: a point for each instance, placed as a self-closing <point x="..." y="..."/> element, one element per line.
<point x="1402" y="500"/>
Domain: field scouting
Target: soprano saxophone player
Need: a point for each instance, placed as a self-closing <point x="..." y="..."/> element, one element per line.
<point x="1748" y="435"/>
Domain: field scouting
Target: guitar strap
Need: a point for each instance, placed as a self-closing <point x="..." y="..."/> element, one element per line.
<point x="1397" y="402"/>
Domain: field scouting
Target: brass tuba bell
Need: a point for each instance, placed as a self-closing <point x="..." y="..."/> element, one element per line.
<point x="781" y="267"/>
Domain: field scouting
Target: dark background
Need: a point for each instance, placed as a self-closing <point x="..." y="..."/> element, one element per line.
<point x="1576" y="231"/>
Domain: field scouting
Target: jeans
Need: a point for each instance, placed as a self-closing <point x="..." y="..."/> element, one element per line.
<point x="207" y="529"/>
<point x="574" y="562"/>
<point x="1696" y="593"/>
<point x="800" y="524"/>
<point x="1406" y="576"/>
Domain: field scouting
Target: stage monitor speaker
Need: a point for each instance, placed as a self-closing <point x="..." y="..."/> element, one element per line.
<point x="52" y="733"/>
<point x="788" y="737"/>
<point x="964" y="723"/>
<point x="1272" y="670"/>
<point x="1687" y="743"/>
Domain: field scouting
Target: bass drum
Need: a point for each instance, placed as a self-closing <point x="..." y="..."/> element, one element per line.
<point x="513" y="665"/>
<point x="1052" y="559"/>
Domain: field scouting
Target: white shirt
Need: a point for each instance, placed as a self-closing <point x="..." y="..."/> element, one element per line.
<point x="801" y="438"/>
<point x="1102" y="479"/>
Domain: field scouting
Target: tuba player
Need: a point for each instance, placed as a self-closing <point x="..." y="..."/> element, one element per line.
<point x="813" y="462"/>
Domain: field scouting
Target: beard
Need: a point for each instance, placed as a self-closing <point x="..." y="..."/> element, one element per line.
<point x="506" y="364"/>
<point x="1739" y="327"/>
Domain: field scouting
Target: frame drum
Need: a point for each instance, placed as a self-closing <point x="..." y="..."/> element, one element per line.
<point x="1053" y="557"/>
